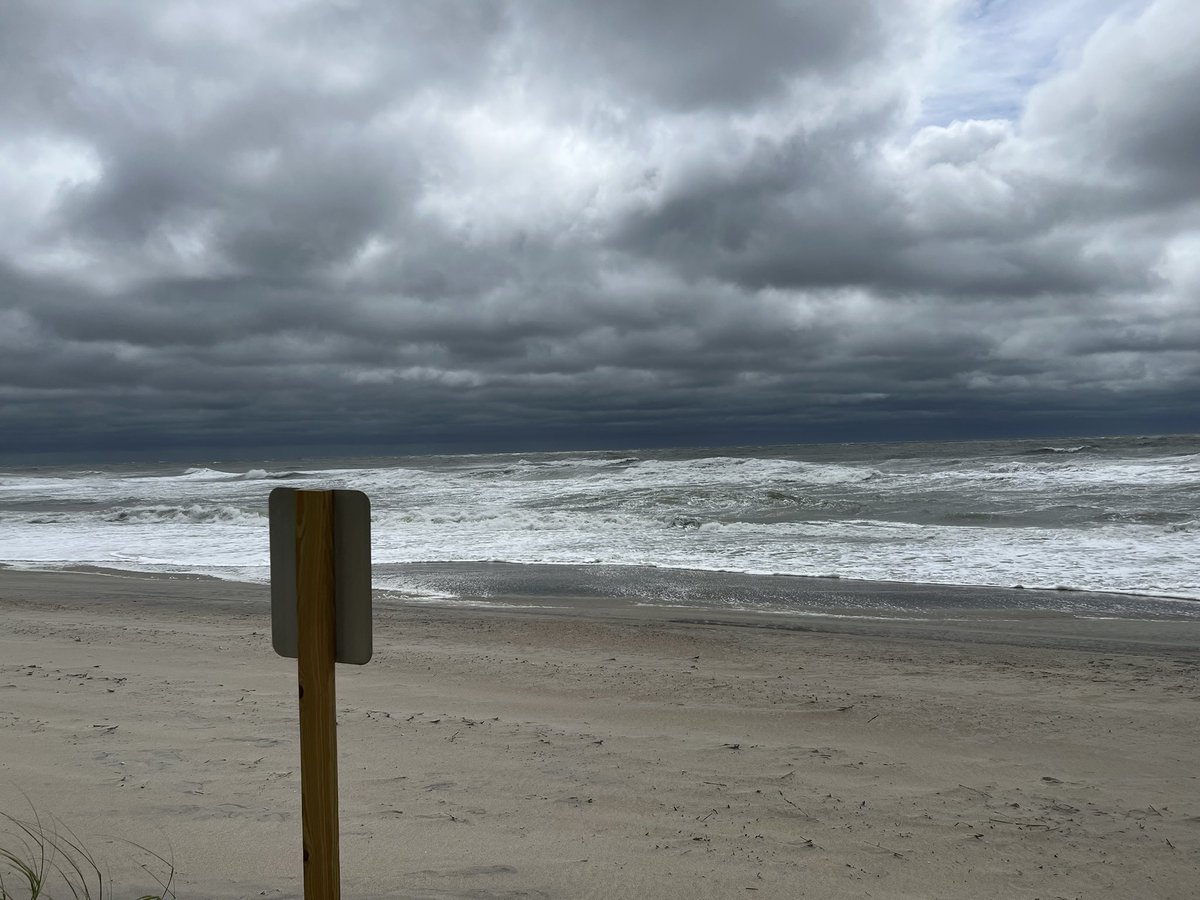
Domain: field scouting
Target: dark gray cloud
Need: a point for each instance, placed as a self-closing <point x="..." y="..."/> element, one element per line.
<point x="700" y="55"/>
<point x="492" y="223"/>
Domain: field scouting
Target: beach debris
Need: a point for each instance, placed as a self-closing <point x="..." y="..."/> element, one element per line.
<point x="1002" y="821"/>
<point x="793" y="805"/>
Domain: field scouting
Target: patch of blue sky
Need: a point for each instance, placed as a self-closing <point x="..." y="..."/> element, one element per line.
<point x="997" y="51"/>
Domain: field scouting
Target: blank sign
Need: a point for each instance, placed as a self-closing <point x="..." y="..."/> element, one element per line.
<point x="351" y="574"/>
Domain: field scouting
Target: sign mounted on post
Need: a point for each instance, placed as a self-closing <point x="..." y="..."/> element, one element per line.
<point x="320" y="613"/>
<point x="351" y="562"/>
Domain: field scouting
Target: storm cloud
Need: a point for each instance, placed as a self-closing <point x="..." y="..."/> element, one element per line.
<point x="485" y="224"/>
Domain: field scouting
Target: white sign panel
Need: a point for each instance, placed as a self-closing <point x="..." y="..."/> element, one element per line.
<point x="351" y="574"/>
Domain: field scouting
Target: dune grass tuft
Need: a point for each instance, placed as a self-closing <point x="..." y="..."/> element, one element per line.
<point x="36" y="859"/>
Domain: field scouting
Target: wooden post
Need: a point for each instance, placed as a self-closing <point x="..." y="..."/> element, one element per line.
<point x="318" y="711"/>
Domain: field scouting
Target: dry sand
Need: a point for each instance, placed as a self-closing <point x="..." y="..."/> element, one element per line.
<point x="612" y="752"/>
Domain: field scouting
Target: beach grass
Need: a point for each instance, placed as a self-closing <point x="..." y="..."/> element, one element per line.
<point x="37" y="858"/>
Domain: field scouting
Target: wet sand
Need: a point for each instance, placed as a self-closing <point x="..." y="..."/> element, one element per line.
<point x="568" y="749"/>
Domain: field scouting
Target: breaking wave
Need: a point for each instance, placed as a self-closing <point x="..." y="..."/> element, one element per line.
<point x="1049" y="451"/>
<point x="184" y="515"/>
<point x="200" y="473"/>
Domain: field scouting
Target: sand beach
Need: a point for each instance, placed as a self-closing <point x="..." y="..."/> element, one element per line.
<point x="559" y="750"/>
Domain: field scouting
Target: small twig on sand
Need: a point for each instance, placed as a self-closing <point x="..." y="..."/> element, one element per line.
<point x="794" y="806"/>
<point x="1023" y="824"/>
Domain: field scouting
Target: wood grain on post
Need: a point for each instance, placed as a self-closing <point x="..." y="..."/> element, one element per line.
<point x="318" y="734"/>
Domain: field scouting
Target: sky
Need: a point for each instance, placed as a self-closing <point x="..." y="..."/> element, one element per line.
<point x="293" y="226"/>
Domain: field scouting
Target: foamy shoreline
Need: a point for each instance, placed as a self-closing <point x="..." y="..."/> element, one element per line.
<point x="1117" y="516"/>
<point x="605" y="747"/>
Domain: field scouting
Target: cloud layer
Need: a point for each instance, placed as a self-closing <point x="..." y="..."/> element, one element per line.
<point x="488" y="224"/>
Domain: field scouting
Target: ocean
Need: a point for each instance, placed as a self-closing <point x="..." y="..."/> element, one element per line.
<point x="1119" y="516"/>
